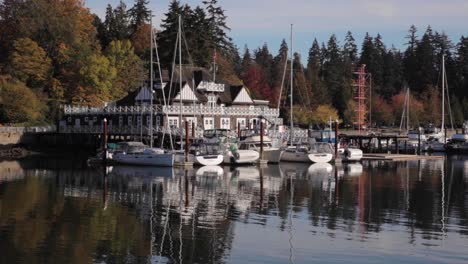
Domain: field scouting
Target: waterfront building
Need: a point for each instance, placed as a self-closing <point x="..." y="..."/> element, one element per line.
<point x="199" y="100"/>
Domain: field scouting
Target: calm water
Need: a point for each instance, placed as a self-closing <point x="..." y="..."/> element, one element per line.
<point x="60" y="211"/>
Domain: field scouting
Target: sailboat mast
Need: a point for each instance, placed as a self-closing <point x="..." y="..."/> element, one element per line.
<point x="151" y="83"/>
<point x="291" y="96"/>
<point x="443" y="93"/>
<point x="180" y="79"/>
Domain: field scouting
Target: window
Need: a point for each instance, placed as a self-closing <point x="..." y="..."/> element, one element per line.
<point x="130" y="120"/>
<point x="148" y="120"/>
<point x="139" y="121"/>
<point x="240" y="122"/>
<point x="158" y="121"/>
<point x="208" y="122"/>
<point x="69" y="119"/>
<point x="120" y="120"/>
<point x="225" y="123"/>
<point x="95" y="118"/>
<point x="173" y="122"/>
<point x="192" y="121"/>
<point x="86" y="119"/>
<point x="211" y="101"/>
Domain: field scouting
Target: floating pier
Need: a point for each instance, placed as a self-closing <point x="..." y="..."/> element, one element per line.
<point x="399" y="157"/>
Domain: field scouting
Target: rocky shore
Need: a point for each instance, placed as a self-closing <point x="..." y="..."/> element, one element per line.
<point x="13" y="152"/>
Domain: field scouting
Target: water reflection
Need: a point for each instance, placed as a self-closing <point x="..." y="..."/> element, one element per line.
<point x="413" y="211"/>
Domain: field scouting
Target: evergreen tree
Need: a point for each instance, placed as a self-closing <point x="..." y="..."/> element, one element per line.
<point x="313" y="72"/>
<point x="462" y="72"/>
<point x="280" y="62"/>
<point x="168" y="35"/>
<point x="117" y="23"/>
<point x="410" y="60"/>
<point x="302" y="91"/>
<point x="337" y="88"/>
<point x="350" y="51"/>
<point x="426" y="73"/>
<point x="246" y="59"/>
<point x="217" y="30"/>
<point x="139" y="14"/>
<point x="264" y="59"/>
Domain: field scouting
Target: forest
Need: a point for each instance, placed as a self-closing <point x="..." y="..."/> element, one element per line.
<point x="56" y="52"/>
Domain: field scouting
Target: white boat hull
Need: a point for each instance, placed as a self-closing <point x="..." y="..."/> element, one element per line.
<point x="320" y="157"/>
<point x="351" y="154"/>
<point x="164" y="160"/>
<point x="209" y="160"/>
<point x="241" y="157"/>
<point x="202" y="160"/>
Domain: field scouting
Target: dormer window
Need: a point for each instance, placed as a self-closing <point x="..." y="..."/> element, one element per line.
<point x="211" y="101"/>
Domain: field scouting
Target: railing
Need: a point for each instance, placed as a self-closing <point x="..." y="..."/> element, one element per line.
<point x="174" y="110"/>
<point x="36" y="129"/>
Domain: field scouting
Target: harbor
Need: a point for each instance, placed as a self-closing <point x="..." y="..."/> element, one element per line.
<point x="162" y="215"/>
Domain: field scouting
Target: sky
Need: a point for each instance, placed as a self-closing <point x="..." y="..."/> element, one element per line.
<point x="255" y="22"/>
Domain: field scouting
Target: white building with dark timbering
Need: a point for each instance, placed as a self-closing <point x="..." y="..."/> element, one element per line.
<point x="199" y="101"/>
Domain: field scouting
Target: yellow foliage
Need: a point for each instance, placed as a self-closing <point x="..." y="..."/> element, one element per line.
<point x="323" y="113"/>
<point x="29" y="62"/>
<point x="19" y="103"/>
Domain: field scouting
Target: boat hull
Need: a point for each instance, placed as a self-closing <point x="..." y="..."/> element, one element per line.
<point x="320" y="157"/>
<point x="295" y="156"/>
<point x="163" y="160"/>
<point x="351" y="154"/>
<point x="241" y="157"/>
<point x="272" y="155"/>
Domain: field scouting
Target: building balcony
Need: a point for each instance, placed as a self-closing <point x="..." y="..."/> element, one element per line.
<point x="173" y="110"/>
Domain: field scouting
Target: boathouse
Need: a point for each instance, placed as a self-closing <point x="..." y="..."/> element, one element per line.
<point x="198" y="100"/>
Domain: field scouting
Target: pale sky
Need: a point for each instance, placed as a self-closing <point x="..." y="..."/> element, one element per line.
<point x="254" y="22"/>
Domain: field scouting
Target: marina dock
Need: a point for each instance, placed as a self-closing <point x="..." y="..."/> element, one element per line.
<point x="399" y="157"/>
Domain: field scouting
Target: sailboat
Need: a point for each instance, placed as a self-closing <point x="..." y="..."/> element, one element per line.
<point x="139" y="154"/>
<point x="315" y="152"/>
<point x="437" y="142"/>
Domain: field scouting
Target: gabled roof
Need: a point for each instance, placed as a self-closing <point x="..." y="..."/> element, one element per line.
<point x="172" y="92"/>
<point x="232" y="94"/>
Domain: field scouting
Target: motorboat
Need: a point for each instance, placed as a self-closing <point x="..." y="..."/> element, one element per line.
<point x="229" y="145"/>
<point x="350" y="154"/>
<point x="137" y="153"/>
<point x="271" y="154"/>
<point x="232" y="155"/>
<point x="297" y="153"/>
<point x="458" y="144"/>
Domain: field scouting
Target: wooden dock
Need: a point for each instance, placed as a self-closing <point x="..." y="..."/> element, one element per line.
<point x="399" y="157"/>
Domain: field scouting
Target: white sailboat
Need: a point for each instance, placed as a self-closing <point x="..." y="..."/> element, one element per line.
<point x="139" y="154"/>
<point x="304" y="152"/>
<point x="437" y="142"/>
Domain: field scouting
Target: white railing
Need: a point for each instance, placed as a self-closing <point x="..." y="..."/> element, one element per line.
<point x="41" y="129"/>
<point x="205" y="110"/>
<point x="174" y="110"/>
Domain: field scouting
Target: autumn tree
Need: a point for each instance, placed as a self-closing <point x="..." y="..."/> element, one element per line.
<point x="128" y="66"/>
<point x="29" y="63"/>
<point x="19" y="104"/>
<point x="255" y="80"/>
<point x="323" y="113"/>
<point x="97" y="77"/>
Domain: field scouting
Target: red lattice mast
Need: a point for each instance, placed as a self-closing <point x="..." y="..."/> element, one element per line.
<point x="360" y="97"/>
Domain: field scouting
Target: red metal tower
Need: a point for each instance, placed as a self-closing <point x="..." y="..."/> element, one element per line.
<point x="360" y="97"/>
